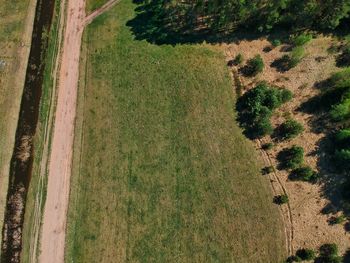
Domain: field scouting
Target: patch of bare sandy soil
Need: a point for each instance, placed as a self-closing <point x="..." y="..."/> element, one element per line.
<point x="310" y="225"/>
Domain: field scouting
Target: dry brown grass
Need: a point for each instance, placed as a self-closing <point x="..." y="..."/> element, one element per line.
<point x="311" y="227"/>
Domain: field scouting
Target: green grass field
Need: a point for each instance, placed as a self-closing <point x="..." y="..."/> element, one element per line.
<point x="92" y="5"/>
<point x="161" y="171"/>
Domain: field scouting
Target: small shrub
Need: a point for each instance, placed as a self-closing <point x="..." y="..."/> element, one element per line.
<point x="301" y="40"/>
<point x="336" y="220"/>
<point x="304" y="174"/>
<point x="267" y="146"/>
<point x="329" y="254"/>
<point x="296" y="56"/>
<point x="267" y="170"/>
<point x="281" y="199"/>
<point x="276" y="42"/>
<point x="239" y="59"/>
<point x="306" y="254"/>
<point x="291" y="158"/>
<point x="327" y="250"/>
<point x="255" y="66"/>
<point x="290" y="129"/>
<point x="285" y="95"/>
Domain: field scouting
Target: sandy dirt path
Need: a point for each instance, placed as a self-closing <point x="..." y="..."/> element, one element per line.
<point x="56" y="206"/>
<point x="54" y="220"/>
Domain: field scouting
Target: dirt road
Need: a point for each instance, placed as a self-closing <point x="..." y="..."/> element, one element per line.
<point x="56" y="206"/>
<point x="54" y="220"/>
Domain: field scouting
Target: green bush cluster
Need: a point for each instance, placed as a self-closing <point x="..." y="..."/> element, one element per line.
<point x="291" y="158"/>
<point x="256" y="106"/>
<point x="328" y="253"/>
<point x="290" y="129"/>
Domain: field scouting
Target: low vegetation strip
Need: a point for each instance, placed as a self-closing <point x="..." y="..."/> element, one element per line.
<point x="16" y="25"/>
<point x="164" y="173"/>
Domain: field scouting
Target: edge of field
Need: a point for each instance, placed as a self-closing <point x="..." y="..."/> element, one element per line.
<point x="16" y="84"/>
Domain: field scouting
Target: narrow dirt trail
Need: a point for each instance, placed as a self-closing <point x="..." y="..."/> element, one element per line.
<point x="56" y="206"/>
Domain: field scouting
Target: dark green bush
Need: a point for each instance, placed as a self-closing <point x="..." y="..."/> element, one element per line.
<point x="306" y="254"/>
<point x="329" y="254"/>
<point x="291" y="158"/>
<point x="276" y="42"/>
<point x="262" y="127"/>
<point x="292" y="259"/>
<point x="285" y="95"/>
<point x="327" y="250"/>
<point x="255" y="66"/>
<point x="281" y="199"/>
<point x="267" y="170"/>
<point x="267" y="146"/>
<point x="290" y="129"/>
<point x="304" y="174"/>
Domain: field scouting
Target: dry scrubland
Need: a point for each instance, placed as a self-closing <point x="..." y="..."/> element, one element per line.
<point x="15" y="37"/>
<point x="161" y="171"/>
<point x="307" y="201"/>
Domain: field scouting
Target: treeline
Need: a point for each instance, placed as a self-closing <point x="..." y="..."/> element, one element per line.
<point x="262" y="15"/>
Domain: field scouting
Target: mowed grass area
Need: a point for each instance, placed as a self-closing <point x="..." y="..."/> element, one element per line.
<point x="16" y="18"/>
<point x="161" y="171"/>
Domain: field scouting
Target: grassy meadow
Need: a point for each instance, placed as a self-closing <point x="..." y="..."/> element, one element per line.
<point x="161" y="171"/>
<point x="15" y="37"/>
<point x="92" y="5"/>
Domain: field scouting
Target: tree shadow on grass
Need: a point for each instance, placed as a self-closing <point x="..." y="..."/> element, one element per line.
<point x="153" y="25"/>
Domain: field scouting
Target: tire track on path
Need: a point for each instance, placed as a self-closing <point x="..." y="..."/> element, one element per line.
<point x="52" y="245"/>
